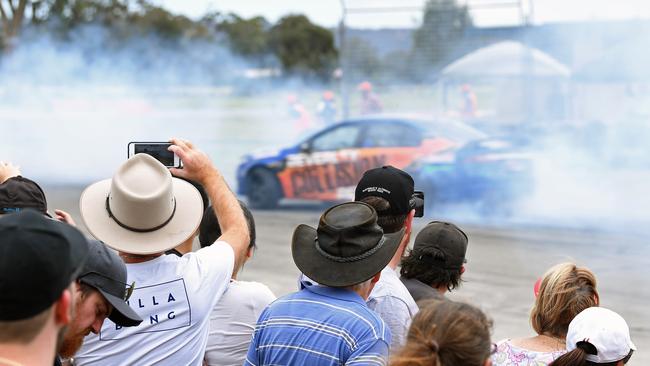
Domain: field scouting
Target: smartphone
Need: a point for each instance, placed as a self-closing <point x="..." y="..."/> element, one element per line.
<point x="156" y="149"/>
<point x="417" y="203"/>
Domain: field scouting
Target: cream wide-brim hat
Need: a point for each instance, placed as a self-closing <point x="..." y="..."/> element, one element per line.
<point x="142" y="197"/>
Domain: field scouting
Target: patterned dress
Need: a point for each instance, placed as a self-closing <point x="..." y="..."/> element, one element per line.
<point x="510" y="355"/>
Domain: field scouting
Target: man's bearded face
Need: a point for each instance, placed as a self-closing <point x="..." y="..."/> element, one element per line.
<point x="90" y="310"/>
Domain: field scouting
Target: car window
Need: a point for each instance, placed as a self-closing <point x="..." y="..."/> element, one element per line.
<point x="453" y="130"/>
<point x="343" y="137"/>
<point x="391" y="135"/>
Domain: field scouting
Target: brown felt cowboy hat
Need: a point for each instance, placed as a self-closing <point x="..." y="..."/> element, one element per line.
<point x="142" y="209"/>
<point x="347" y="248"/>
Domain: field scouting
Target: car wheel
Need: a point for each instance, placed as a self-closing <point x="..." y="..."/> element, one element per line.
<point x="263" y="189"/>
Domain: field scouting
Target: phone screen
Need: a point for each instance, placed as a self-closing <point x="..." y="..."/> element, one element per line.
<point x="158" y="151"/>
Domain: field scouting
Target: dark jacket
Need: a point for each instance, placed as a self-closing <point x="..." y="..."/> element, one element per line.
<point x="420" y="290"/>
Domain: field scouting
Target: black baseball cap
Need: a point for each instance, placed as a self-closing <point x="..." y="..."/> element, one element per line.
<point x="447" y="238"/>
<point x="18" y="193"/>
<point x="105" y="271"/>
<point x="39" y="259"/>
<point x="389" y="183"/>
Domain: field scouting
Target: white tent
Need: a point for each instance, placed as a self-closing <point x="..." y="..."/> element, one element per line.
<point x="514" y="83"/>
<point x="505" y="60"/>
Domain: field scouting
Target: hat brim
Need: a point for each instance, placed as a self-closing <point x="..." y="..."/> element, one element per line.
<point x="186" y="220"/>
<point x="122" y="313"/>
<point x="339" y="274"/>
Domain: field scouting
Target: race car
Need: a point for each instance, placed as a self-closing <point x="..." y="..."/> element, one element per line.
<point x="492" y="173"/>
<point x="327" y="165"/>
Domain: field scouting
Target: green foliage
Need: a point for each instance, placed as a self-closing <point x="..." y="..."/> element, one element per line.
<point x="443" y="27"/>
<point x="72" y="13"/>
<point x="158" y="21"/>
<point x="247" y="37"/>
<point x="302" y="47"/>
<point x="121" y="18"/>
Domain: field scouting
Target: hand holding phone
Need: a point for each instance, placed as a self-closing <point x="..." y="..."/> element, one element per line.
<point x="417" y="202"/>
<point x="158" y="150"/>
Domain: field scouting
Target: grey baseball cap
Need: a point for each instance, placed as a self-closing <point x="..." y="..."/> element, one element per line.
<point x="105" y="271"/>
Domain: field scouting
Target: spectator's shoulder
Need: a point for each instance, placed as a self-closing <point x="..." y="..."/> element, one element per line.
<point x="292" y="296"/>
<point x="371" y="322"/>
<point x="217" y="259"/>
<point x="389" y="297"/>
<point x="219" y="248"/>
<point x="253" y="290"/>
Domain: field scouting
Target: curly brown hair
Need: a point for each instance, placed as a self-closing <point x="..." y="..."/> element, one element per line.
<point x="414" y="267"/>
<point x="446" y="333"/>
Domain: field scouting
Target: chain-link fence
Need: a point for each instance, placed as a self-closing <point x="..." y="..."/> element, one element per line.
<point x="404" y="68"/>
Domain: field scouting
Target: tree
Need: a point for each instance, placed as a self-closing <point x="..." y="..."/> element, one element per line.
<point x="247" y="37"/>
<point x="156" y="20"/>
<point x="71" y="13"/>
<point x="123" y="18"/>
<point x="302" y="47"/>
<point x="67" y="14"/>
<point x="11" y="19"/>
<point x="443" y="27"/>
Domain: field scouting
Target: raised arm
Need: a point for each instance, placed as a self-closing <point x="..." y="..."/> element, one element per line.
<point x="8" y="170"/>
<point x="198" y="167"/>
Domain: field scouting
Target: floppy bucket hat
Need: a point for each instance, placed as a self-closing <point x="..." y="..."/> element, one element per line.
<point x="605" y="330"/>
<point x="142" y="209"/>
<point x="347" y="248"/>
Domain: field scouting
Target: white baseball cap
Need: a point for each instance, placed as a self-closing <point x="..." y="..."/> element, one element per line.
<point x="605" y="330"/>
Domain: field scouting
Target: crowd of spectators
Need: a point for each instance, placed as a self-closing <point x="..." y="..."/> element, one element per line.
<point x="138" y="294"/>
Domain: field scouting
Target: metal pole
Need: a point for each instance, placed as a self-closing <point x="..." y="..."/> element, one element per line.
<point x="346" y="72"/>
<point x="345" y="98"/>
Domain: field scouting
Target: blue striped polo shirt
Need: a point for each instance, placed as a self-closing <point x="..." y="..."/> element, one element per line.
<point x="319" y="326"/>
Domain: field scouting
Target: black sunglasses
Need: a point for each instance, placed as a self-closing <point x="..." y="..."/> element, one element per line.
<point x="128" y="288"/>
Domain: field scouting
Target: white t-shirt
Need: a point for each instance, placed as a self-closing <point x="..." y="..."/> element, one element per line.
<point x="233" y="320"/>
<point x="174" y="296"/>
<point x="394" y="304"/>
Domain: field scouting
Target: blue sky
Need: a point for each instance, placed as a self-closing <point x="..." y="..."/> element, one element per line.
<point x="328" y="12"/>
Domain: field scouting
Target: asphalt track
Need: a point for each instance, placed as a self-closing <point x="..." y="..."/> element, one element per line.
<point x="503" y="264"/>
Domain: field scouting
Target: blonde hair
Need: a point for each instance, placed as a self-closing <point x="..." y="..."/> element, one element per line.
<point x="565" y="291"/>
<point x="446" y="333"/>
